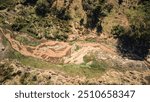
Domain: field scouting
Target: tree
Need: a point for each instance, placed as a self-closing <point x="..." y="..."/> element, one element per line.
<point x="118" y="31"/>
<point x="41" y="9"/>
<point x="63" y="14"/>
<point x="30" y="2"/>
<point x="18" y="24"/>
<point x="95" y="10"/>
<point x="50" y="2"/>
<point x="120" y="2"/>
<point x="6" y="3"/>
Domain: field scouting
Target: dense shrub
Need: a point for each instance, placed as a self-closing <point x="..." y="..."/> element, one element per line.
<point x="56" y="36"/>
<point x="18" y="24"/>
<point x="30" y="2"/>
<point x="63" y="14"/>
<point x="118" y="31"/>
<point x="140" y="22"/>
<point x="6" y="3"/>
<point x="120" y="2"/>
<point x="95" y="11"/>
<point x="50" y="2"/>
<point x="62" y="37"/>
<point x="41" y="9"/>
<point x="107" y="8"/>
<point x="33" y="32"/>
<point x="99" y="28"/>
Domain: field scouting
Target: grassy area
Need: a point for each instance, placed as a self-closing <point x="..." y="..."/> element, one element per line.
<point x="5" y="41"/>
<point x="26" y="41"/>
<point x="94" y="63"/>
<point x="82" y="70"/>
<point x="69" y="69"/>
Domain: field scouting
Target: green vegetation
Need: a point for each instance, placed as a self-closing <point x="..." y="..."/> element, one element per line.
<point x="6" y="3"/>
<point x="82" y="70"/>
<point x="4" y="41"/>
<point x="118" y="31"/>
<point x="42" y="9"/>
<point x="90" y="40"/>
<point x="95" y="70"/>
<point x="26" y="41"/>
<point x="94" y="63"/>
<point x="30" y="2"/>
<point x="42" y="27"/>
<point x="36" y="17"/>
<point x="6" y="73"/>
<point x="139" y="21"/>
<point x="19" y="23"/>
<point x="77" y="48"/>
<point x="39" y="16"/>
<point x="96" y="11"/>
<point x="56" y="36"/>
<point x="63" y="14"/>
<point x="134" y="39"/>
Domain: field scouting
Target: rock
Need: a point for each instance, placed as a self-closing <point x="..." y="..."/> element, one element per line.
<point x="89" y="63"/>
<point x="73" y="37"/>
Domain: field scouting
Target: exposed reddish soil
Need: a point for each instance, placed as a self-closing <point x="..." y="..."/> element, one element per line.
<point x="47" y="51"/>
<point x="54" y="50"/>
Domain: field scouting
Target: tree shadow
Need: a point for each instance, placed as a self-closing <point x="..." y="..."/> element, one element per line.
<point x="30" y="2"/>
<point x="133" y="49"/>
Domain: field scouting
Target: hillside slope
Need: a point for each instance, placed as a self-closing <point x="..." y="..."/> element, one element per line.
<point x="75" y="41"/>
<point x="12" y="72"/>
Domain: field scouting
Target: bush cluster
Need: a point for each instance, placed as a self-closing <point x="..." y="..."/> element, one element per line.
<point x="56" y="36"/>
<point x="18" y="24"/>
<point x="118" y="31"/>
